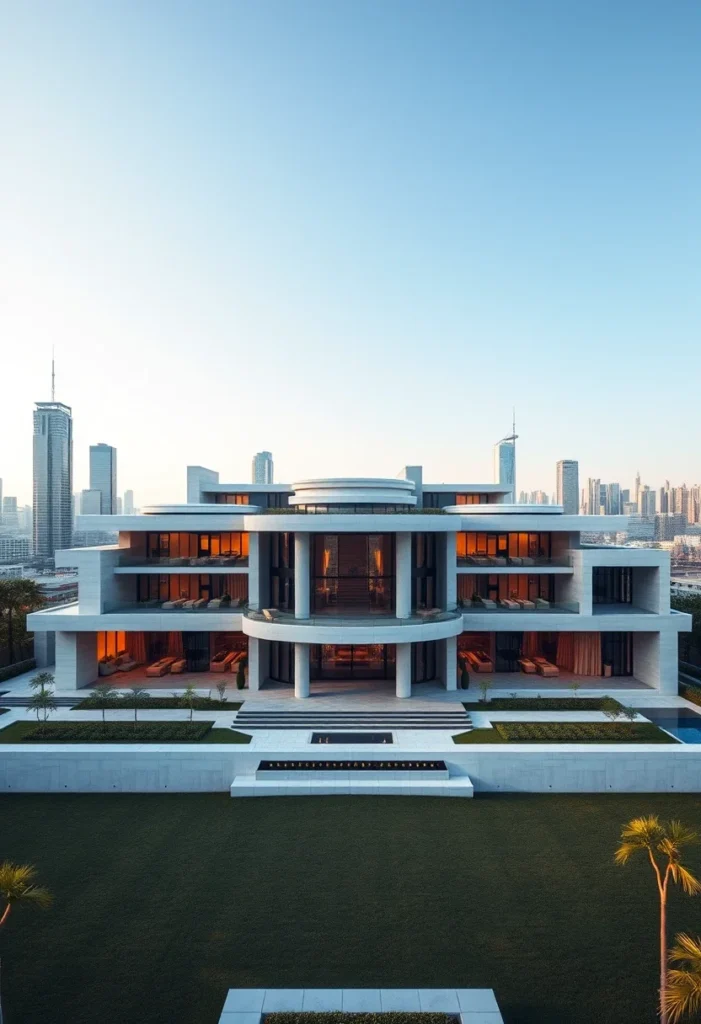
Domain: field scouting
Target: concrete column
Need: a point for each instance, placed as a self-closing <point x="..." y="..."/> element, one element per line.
<point x="403" y="576"/>
<point x="450" y="678"/>
<point x="45" y="649"/>
<point x="302" y="546"/>
<point x="76" y="660"/>
<point x="253" y="570"/>
<point x="403" y="670"/>
<point x="451" y="572"/>
<point x="254" y="679"/>
<point x="301" y="670"/>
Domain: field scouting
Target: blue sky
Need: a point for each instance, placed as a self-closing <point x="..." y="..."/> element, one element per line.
<point x="354" y="233"/>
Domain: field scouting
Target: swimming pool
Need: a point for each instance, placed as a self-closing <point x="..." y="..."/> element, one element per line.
<point x="681" y="722"/>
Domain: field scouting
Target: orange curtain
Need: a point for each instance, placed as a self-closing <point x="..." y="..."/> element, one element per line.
<point x="175" y="645"/>
<point x="531" y="645"/>
<point x="580" y="653"/>
<point x="136" y="645"/>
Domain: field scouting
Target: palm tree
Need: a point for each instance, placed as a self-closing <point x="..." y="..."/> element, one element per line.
<point x="42" y="701"/>
<point x="104" y="695"/>
<point x="17" y="886"/>
<point x="139" y="695"/>
<point x="41" y="681"/>
<point x="188" y="698"/>
<point x="17" y="596"/>
<point x="683" y="995"/>
<point x="663" y="843"/>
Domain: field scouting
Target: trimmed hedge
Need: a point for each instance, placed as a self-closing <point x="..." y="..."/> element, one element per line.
<point x="582" y="732"/>
<point x="10" y="671"/>
<point x="358" y="1018"/>
<point x="158" y="704"/>
<point x="117" y="732"/>
<point x="479" y="736"/>
<point x="543" y="704"/>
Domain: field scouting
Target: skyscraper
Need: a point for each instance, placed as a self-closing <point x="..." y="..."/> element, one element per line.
<point x="10" y="518"/>
<point x="648" y="501"/>
<point x="103" y="476"/>
<point x="505" y="462"/>
<point x="262" y="468"/>
<point x="128" y="503"/>
<point x="592" y="497"/>
<point x="53" y="478"/>
<point x="613" y="500"/>
<point x="90" y="502"/>
<point x="567" y="487"/>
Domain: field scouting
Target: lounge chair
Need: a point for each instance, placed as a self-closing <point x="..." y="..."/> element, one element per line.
<point x="190" y="603"/>
<point x="513" y="606"/>
<point x="125" y="662"/>
<point x="479" y="661"/>
<point x="546" y="668"/>
<point x="159" y="668"/>
<point x="540" y="602"/>
<point x="178" y="666"/>
<point x="527" y="666"/>
<point x="180" y="603"/>
<point x="270" y="614"/>
<point x="107" y="666"/>
<point x="498" y="560"/>
<point x="201" y="602"/>
<point x="487" y="602"/>
<point x="525" y="604"/>
<point x="516" y="561"/>
<point x="528" y="561"/>
<point x="221" y="661"/>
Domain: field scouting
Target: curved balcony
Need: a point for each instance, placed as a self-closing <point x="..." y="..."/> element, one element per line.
<point x="271" y="624"/>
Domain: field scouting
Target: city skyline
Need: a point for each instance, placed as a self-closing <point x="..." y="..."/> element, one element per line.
<point x="376" y="227"/>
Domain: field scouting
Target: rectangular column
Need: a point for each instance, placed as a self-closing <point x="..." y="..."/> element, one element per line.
<point x="302" y="546"/>
<point x="450" y="678"/>
<point x="76" y="660"/>
<point x="403" y="670"/>
<point x="253" y="570"/>
<point x="403" y="576"/>
<point x="451" y="572"/>
<point x="254" y="679"/>
<point x="301" y="670"/>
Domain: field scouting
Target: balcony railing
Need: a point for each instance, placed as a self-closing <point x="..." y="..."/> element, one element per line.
<point x="505" y="562"/>
<point x="235" y="605"/>
<point x="141" y="562"/>
<point x="482" y="605"/>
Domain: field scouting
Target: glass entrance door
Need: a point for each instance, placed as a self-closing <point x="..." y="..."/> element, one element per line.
<point x="352" y="661"/>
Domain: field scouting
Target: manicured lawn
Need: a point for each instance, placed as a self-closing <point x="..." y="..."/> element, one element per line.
<point x="119" y="732"/>
<point x="543" y="704"/>
<point x="164" y="902"/>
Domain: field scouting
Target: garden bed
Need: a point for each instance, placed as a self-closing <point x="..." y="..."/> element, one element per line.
<point x="544" y="704"/>
<point x="158" y="704"/>
<point x="567" y="732"/>
<point x="119" y="732"/>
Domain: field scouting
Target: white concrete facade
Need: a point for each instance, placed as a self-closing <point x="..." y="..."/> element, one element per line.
<point x="411" y="566"/>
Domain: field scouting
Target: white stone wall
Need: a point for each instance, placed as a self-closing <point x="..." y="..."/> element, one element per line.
<point x="76" y="660"/>
<point x="211" y="769"/>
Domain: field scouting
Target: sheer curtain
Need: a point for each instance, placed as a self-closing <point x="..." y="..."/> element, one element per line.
<point x="136" y="645"/>
<point x="580" y="653"/>
<point x="175" y="645"/>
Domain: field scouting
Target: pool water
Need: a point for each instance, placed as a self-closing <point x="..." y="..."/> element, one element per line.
<point x="681" y="722"/>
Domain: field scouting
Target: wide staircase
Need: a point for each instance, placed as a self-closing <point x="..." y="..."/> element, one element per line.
<point x="453" y="717"/>
<point x="360" y="776"/>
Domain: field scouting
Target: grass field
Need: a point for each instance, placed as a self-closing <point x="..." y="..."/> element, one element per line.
<point x="164" y="902"/>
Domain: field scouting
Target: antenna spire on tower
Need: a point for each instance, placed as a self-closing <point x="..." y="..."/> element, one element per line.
<point x="53" y="377"/>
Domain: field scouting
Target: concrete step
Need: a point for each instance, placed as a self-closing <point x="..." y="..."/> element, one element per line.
<point x="248" y="786"/>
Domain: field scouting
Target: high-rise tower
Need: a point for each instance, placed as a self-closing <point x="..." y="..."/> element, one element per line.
<point x="103" y="476"/>
<point x="53" y="475"/>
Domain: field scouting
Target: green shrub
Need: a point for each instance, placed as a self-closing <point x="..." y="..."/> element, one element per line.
<point x="17" y="669"/>
<point x="542" y="704"/>
<point x="117" y="732"/>
<point x="582" y="732"/>
<point x="691" y="693"/>
<point x="159" y="704"/>
<point x="240" y="677"/>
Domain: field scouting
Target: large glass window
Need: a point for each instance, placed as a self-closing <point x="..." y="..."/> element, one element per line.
<point x="352" y="572"/>
<point x="423" y="568"/>
<point x="505" y="586"/>
<point x="154" y="588"/>
<point x="282" y="575"/>
<point x="423" y="662"/>
<point x="612" y="585"/>
<point x="352" y="661"/>
<point x="503" y="548"/>
<point x="192" y="548"/>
